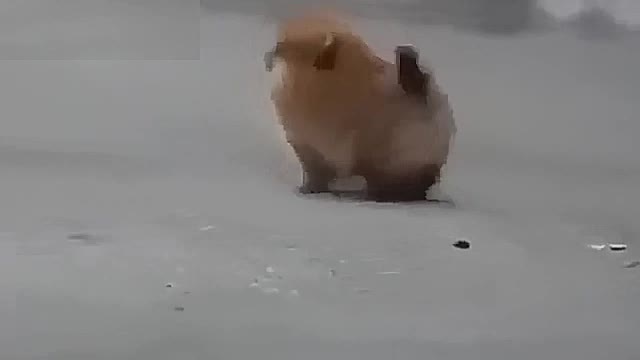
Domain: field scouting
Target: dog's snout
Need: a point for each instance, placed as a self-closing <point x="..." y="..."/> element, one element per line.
<point x="271" y="55"/>
<point x="268" y="60"/>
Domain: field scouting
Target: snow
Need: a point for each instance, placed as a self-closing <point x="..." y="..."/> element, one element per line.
<point x="174" y="171"/>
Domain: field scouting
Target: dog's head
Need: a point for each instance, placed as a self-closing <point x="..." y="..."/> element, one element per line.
<point x="318" y="50"/>
<point x="313" y="41"/>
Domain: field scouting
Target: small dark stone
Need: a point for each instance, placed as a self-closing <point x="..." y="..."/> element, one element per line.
<point x="462" y="244"/>
<point x="85" y="238"/>
<point x="617" y="247"/>
<point x="178" y="308"/>
<point x="168" y="285"/>
<point x="79" y="236"/>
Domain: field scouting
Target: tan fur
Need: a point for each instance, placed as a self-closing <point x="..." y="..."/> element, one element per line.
<point x="356" y="115"/>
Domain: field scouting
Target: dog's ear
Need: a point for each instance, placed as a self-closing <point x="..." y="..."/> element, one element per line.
<point x="326" y="60"/>
<point x="412" y="78"/>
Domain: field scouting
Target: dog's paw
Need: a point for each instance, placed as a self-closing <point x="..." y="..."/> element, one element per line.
<point x="308" y="189"/>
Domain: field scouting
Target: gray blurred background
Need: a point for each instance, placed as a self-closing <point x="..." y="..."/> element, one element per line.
<point x="99" y="29"/>
<point x="592" y="18"/>
<point x="168" y="29"/>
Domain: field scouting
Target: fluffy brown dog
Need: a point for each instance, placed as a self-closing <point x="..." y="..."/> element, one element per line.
<point x="347" y="112"/>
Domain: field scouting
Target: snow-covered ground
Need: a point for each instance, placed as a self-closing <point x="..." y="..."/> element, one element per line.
<point x="119" y="177"/>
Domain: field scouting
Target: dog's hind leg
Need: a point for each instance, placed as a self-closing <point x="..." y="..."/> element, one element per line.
<point x="407" y="188"/>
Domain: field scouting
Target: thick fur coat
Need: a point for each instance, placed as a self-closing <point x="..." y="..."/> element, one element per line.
<point x="344" y="113"/>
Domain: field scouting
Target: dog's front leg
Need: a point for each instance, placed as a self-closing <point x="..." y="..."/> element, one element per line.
<point x="316" y="172"/>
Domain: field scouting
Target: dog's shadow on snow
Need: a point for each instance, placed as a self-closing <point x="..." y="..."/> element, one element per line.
<point x="357" y="197"/>
<point x="353" y="191"/>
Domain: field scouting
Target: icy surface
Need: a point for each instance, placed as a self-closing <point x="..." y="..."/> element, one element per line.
<point x="173" y="173"/>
